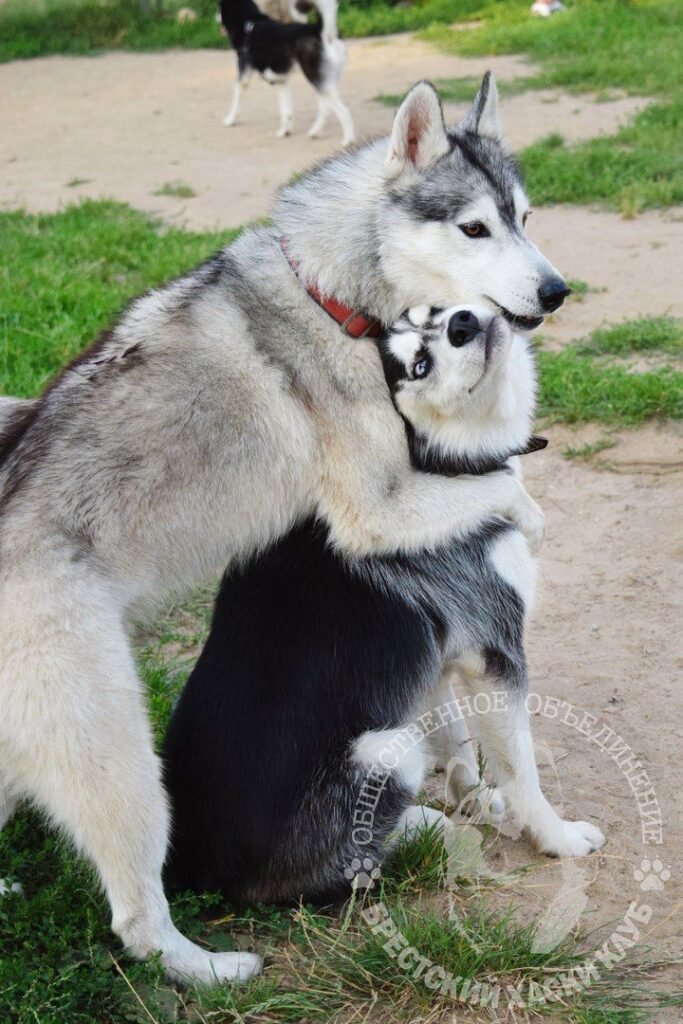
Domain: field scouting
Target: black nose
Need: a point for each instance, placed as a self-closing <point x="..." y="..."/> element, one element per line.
<point x="552" y="293"/>
<point x="462" y="327"/>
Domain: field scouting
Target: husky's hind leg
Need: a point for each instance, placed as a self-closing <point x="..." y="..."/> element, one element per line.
<point x="505" y="736"/>
<point x="76" y="739"/>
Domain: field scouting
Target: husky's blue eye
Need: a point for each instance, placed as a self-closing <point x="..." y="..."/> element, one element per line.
<point x="475" y="229"/>
<point x="422" y="367"/>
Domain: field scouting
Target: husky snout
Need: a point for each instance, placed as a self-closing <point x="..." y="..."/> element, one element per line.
<point x="552" y="293"/>
<point x="463" y="327"/>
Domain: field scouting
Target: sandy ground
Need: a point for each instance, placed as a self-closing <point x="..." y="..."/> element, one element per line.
<point x="606" y="635"/>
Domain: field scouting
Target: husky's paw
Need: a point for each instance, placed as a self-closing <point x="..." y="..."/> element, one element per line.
<point x="529" y="517"/>
<point x="7" y="886"/>
<point x="229" y="121"/>
<point x="573" y="839"/>
<point x="348" y="140"/>
<point x="282" y="133"/>
<point x="216" y="968"/>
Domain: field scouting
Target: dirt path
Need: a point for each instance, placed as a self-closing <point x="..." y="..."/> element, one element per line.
<point x="606" y="635"/>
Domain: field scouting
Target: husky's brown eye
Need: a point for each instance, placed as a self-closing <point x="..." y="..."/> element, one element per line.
<point x="475" y="229"/>
<point x="525" y="217"/>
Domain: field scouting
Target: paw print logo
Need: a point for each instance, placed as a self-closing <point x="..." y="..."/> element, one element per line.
<point x="362" y="873"/>
<point x="651" y="876"/>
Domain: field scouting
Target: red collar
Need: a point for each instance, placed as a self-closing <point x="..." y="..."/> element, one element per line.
<point x="353" y="322"/>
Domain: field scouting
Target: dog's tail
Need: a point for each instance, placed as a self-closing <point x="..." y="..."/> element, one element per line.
<point x="328" y="13"/>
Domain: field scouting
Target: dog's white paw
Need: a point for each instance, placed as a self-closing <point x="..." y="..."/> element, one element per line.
<point x="7" y="886"/>
<point x="282" y="133"/>
<point x="529" y="517"/>
<point x="574" y="839"/>
<point x="229" y="121"/>
<point x="215" y="968"/>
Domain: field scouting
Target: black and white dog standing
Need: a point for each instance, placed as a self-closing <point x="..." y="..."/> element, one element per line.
<point x="317" y="660"/>
<point x="274" y="50"/>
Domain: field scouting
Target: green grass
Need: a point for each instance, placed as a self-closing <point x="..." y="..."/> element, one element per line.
<point x="63" y="277"/>
<point x="597" y="45"/>
<point x="648" y="334"/>
<point x="585" y="452"/>
<point x="32" y="28"/>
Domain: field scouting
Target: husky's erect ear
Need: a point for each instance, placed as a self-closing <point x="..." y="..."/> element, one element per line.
<point x="483" y="118"/>
<point x="418" y="137"/>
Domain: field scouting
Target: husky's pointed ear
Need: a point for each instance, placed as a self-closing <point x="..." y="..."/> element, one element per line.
<point x="418" y="137"/>
<point x="483" y="118"/>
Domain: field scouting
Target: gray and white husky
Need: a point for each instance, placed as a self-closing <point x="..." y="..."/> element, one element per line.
<point x="220" y="410"/>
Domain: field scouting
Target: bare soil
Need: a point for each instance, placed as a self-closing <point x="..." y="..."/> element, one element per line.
<point x="606" y="633"/>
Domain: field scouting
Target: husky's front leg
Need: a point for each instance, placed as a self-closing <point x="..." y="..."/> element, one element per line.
<point x="284" y="99"/>
<point x="508" y="750"/>
<point x="243" y="77"/>
<point x="454" y="751"/>
<point x="374" y="511"/>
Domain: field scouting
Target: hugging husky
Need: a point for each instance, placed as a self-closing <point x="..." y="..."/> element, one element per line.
<point x="219" y="411"/>
<point x="317" y="660"/>
<point x="273" y="49"/>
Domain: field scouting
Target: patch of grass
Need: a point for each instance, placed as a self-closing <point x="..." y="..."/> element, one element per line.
<point x="598" y="45"/>
<point x="585" y="452"/>
<point x="32" y="28"/>
<point x="578" y="389"/>
<point x="648" y="334"/>
<point x="63" y="276"/>
<point x="639" y="167"/>
<point x="177" y="189"/>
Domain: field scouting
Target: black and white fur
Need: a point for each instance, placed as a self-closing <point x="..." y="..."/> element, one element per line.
<point x="274" y="50"/>
<point x="220" y="410"/>
<point x="316" y="660"/>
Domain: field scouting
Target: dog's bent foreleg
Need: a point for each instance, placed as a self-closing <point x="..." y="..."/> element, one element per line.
<point x="504" y="732"/>
<point x="75" y="739"/>
<point x="284" y="99"/>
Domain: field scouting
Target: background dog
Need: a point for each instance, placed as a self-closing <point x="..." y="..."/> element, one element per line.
<point x="220" y="410"/>
<point x="316" y="661"/>
<point x="273" y="49"/>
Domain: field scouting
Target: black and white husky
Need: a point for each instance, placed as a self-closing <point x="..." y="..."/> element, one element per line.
<point x="317" y="661"/>
<point x="220" y="410"/>
<point x="274" y="50"/>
